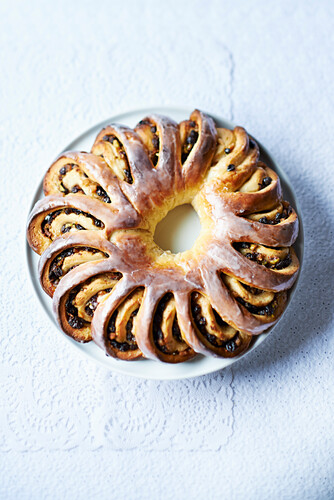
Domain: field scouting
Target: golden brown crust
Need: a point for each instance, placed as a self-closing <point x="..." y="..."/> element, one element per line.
<point x="112" y="283"/>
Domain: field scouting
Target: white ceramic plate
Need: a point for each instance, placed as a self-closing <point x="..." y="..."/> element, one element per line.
<point x="146" y="368"/>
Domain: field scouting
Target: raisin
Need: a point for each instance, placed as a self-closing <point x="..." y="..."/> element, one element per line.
<point x="109" y="138"/>
<point x="192" y="138"/>
<point x="155" y="142"/>
<point x="130" y="337"/>
<point x="75" y="322"/>
<point x="212" y="339"/>
<point x="219" y="320"/>
<point x="98" y="223"/>
<point x="123" y="347"/>
<point x="65" y="228"/>
<point x="112" y="323"/>
<point x="159" y="334"/>
<point x="56" y="272"/>
<point x="283" y="263"/>
<point x="128" y="176"/>
<point x="48" y="218"/>
<point x="89" y="311"/>
<point x="129" y="326"/>
<point x="266" y="181"/>
<point x="230" y="346"/>
<point x="251" y="256"/>
<point x="101" y="192"/>
<point x="67" y="253"/>
<point x="176" y="330"/>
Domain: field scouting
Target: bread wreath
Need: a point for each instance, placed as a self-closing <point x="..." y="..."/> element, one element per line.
<point x="111" y="283"/>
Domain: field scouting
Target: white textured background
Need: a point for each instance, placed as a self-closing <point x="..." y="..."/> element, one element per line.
<point x="263" y="429"/>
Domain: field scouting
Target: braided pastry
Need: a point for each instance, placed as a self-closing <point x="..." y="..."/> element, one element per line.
<point x="109" y="280"/>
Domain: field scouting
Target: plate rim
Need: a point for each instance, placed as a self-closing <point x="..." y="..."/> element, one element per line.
<point x="117" y="365"/>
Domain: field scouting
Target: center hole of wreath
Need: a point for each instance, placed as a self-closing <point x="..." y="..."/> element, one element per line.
<point x="179" y="230"/>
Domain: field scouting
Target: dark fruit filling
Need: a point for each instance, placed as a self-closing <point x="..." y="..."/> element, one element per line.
<point x="66" y="168"/>
<point x="283" y="263"/>
<point x="122" y="154"/>
<point x="130" y="344"/>
<point x="109" y="138"/>
<point x="129" y="335"/>
<point x="252" y="290"/>
<point x="219" y="319"/>
<point x="93" y="302"/>
<point x="267" y="310"/>
<point x="154" y="153"/>
<point x="63" y="171"/>
<point x="265" y="182"/>
<point x="189" y="142"/>
<point x="128" y="176"/>
<point x="229" y="345"/>
<point x="102" y="194"/>
<point x="55" y="269"/>
<point x="124" y="346"/>
<point x="69" y="225"/>
<point x="278" y="217"/>
<point x="262" y="259"/>
<point x="72" y="312"/>
<point x="112" y="323"/>
<point x="158" y="335"/>
<point x="77" y="189"/>
<point x="153" y="140"/>
<point x="176" y="330"/>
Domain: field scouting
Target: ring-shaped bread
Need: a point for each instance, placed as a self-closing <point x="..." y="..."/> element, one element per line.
<point x="112" y="284"/>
